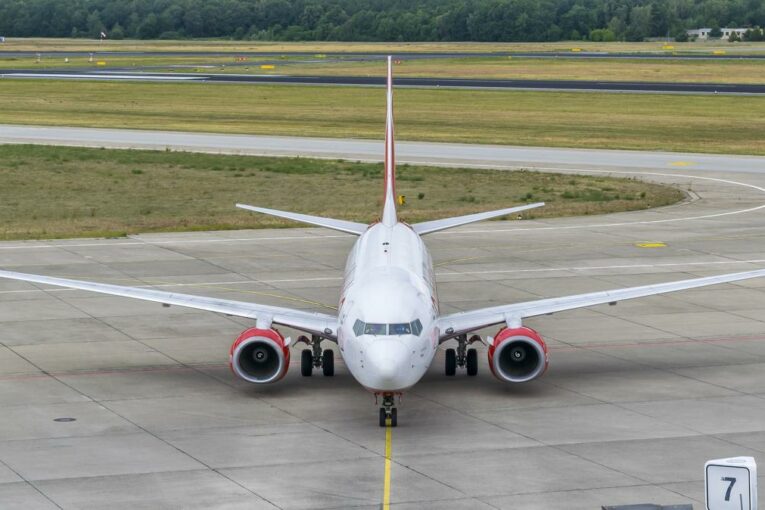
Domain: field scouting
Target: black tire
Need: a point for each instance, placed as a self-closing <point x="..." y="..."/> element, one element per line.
<point x="328" y="362"/>
<point x="394" y="417"/>
<point x="383" y="417"/>
<point x="450" y="362"/>
<point x="472" y="362"/>
<point x="306" y="363"/>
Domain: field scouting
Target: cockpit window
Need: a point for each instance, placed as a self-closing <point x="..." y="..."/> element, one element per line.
<point x="376" y="329"/>
<point x="403" y="328"/>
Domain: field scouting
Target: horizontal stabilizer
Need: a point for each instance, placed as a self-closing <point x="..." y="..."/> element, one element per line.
<point x="349" y="227"/>
<point x="428" y="227"/>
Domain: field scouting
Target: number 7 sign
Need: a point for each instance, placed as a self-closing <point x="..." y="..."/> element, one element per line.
<point x="731" y="484"/>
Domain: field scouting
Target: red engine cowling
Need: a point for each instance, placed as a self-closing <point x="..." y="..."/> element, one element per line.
<point x="518" y="355"/>
<point x="259" y="356"/>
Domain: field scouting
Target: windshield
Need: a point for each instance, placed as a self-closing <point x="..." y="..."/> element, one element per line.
<point x="399" y="328"/>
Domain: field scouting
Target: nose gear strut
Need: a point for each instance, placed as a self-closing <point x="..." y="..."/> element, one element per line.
<point x="388" y="411"/>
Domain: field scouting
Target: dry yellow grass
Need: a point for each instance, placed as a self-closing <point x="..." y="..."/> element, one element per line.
<point x="40" y="44"/>
<point x="696" y="70"/>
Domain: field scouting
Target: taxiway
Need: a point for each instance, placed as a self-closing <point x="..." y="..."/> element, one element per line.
<point x="637" y="396"/>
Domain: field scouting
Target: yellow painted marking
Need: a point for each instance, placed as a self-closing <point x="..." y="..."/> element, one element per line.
<point x="101" y="63"/>
<point x="668" y="47"/>
<point x="718" y="52"/>
<point x="386" y="483"/>
<point x="576" y="49"/>
<point x="682" y="163"/>
<point x="267" y="66"/>
<point x="658" y="244"/>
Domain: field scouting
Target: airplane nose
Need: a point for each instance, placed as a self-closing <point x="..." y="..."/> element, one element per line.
<point x="388" y="360"/>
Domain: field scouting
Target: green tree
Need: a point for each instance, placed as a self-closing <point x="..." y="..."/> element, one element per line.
<point x="117" y="32"/>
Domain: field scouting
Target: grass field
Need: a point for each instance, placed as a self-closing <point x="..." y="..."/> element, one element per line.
<point x="52" y="192"/>
<point x="666" y="70"/>
<point x="43" y="45"/>
<point x="722" y="71"/>
<point x="696" y="123"/>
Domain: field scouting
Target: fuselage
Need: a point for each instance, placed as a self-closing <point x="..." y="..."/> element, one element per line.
<point x="387" y="329"/>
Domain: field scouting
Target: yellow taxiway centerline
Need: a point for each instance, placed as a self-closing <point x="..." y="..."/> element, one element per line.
<point x="386" y="483"/>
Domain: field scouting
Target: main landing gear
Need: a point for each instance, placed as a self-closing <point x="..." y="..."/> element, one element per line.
<point x="315" y="357"/>
<point x="462" y="357"/>
<point x="387" y="411"/>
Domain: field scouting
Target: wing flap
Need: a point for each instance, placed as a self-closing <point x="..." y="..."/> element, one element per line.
<point x="463" y="322"/>
<point x="311" y="322"/>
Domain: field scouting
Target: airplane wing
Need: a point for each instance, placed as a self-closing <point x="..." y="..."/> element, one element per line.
<point x="426" y="227"/>
<point x="349" y="227"/>
<point x="311" y="322"/>
<point x="464" y="322"/>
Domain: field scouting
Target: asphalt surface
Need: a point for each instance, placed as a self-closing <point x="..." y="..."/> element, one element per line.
<point x="444" y="154"/>
<point x="470" y="83"/>
<point x="638" y="396"/>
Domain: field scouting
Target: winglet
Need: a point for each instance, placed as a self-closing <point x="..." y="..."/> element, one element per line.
<point x="389" y="217"/>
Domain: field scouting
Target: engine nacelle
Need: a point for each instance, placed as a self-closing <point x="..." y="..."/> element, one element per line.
<point x="518" y="355"/>
<point x="260" y="356"/>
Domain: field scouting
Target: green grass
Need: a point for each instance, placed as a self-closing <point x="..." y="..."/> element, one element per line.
<point x="61" y="192"/>
<point x="697" y="123"/>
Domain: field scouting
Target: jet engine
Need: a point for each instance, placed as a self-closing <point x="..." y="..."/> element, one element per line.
<point x="260" y="356"/>
<point x="517" y="355"/>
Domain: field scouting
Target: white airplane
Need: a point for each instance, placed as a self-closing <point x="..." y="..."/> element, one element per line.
<point x="388" y="327"/>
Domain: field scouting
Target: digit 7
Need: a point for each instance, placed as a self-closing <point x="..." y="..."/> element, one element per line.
<point x="732" y="482"/>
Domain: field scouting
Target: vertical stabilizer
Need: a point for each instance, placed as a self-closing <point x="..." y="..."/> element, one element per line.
<point x="389" y="217"/>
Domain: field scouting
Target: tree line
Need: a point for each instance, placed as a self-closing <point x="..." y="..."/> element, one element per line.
<point x="375" y="20"/>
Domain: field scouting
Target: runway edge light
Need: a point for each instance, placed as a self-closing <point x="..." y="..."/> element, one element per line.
<point x="730" y="484"/>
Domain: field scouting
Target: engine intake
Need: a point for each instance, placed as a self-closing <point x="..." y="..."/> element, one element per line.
<point x="518" y="355"/>
<point x="260" y="356"/>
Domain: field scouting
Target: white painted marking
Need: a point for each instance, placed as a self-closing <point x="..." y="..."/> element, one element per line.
<point x="102" y="76"/>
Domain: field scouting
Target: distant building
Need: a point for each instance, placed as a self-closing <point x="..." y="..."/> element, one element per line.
<point x="702" y="34"/>
<point x="2" y="39"/>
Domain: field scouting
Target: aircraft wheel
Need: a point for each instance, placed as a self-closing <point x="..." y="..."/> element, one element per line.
<point x="383" y="416"/>
<point x="451" y="362"/>
<point x="472" y="362"/>
<point x="306" y="363"/>
<point x="328" y="362"/>
<point x="394" y="417"/>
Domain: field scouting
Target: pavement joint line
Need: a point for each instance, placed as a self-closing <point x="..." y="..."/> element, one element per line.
<point x="143" y="429"/>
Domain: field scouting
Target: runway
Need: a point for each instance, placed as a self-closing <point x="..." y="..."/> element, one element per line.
<point x="705" y="54"/>
<point x="369" y="81"/>
<point x="637" y="396"/>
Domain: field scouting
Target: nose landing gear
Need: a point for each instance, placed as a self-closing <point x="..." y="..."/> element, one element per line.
<point x="387" y="411"/>
<point x="315" y="357"/>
